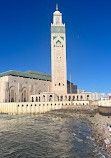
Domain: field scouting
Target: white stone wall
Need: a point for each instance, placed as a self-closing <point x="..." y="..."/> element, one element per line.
<point x="105" y="103"/>
<point x="3" y="86"/>
<point x="35" y="107"/>
<point x="28" y="107"/>
<point x="19" y="88"/>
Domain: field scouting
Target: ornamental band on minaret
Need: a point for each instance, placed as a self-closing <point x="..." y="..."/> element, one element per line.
<point x="58" y="54"/>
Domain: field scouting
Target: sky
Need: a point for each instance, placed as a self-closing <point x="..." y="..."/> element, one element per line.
<point x="25" y="39"/>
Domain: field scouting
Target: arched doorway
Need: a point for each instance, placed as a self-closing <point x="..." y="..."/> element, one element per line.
<point x="24" y="95"/>
<point x="12" y="99"/>
<point x="12" y="94"/>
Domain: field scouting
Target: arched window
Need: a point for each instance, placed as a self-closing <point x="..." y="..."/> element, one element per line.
<point x="61" y="98"/>
<point x="69" y="98"/>
<point x="22" y="97"/>
<point x="87" y="97"/>
<point x="43" y="97"/>
<point x="59" y="84"/>
<point x="32" y="99"/>
<point x="50" y="98"/>
<point x="73" y="98"/>
<point x="36" y="98"/>
<point x="65" y="98"/>
<point x="77" y="97"/>
<point x="39" y="98"/>
<point x="81" y="97"/>
<point x="39" y="91"/>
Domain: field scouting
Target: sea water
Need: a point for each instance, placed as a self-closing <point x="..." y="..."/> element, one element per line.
<point x="47" y="135"/>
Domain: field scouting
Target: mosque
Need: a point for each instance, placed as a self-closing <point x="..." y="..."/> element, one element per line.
<point x="33" y="86"/>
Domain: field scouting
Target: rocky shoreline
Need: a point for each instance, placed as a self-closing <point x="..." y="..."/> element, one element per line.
<point x="99" y="124"/>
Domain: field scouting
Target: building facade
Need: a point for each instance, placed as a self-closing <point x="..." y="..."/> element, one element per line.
<point x="19" y="86"/>
<point x="32" y="86"/>
<point x="96" y="96"/>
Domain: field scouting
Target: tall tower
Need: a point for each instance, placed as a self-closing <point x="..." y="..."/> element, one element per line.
<point x="58" y="54"/>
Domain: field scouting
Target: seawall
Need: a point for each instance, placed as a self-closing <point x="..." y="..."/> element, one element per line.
<point x="36" y="107"/>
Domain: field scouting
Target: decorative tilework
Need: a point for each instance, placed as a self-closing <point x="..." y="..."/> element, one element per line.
<point x="57" y="29"/>
<point x="62" y="38"/>
<point x="58" y="41"/>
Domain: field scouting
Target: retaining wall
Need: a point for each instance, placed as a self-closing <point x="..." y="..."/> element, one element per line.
<point x="105" y="103"/>
<point x="35" y="107"/>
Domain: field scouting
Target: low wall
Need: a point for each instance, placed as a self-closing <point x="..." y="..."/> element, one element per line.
<point x="35" y="107"/>
<point x="105" y="103"/>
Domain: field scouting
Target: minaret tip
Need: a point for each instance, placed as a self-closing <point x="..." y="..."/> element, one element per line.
<point x="56" y="7"/>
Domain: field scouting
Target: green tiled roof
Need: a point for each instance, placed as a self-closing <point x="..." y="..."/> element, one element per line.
<point x="37" y="73"/>
<point x="28" y="74"/>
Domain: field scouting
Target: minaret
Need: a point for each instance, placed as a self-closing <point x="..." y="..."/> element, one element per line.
<point x="58" y="54"/>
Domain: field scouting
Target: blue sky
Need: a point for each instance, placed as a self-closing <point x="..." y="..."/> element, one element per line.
<point x="25" y="39"/>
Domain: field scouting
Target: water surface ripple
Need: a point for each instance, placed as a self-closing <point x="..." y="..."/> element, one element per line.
<point x="46" y="135"/>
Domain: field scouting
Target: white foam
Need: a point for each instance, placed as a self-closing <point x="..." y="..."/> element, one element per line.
<point x="78" y="139"/>
<point x="74" y="134"/>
